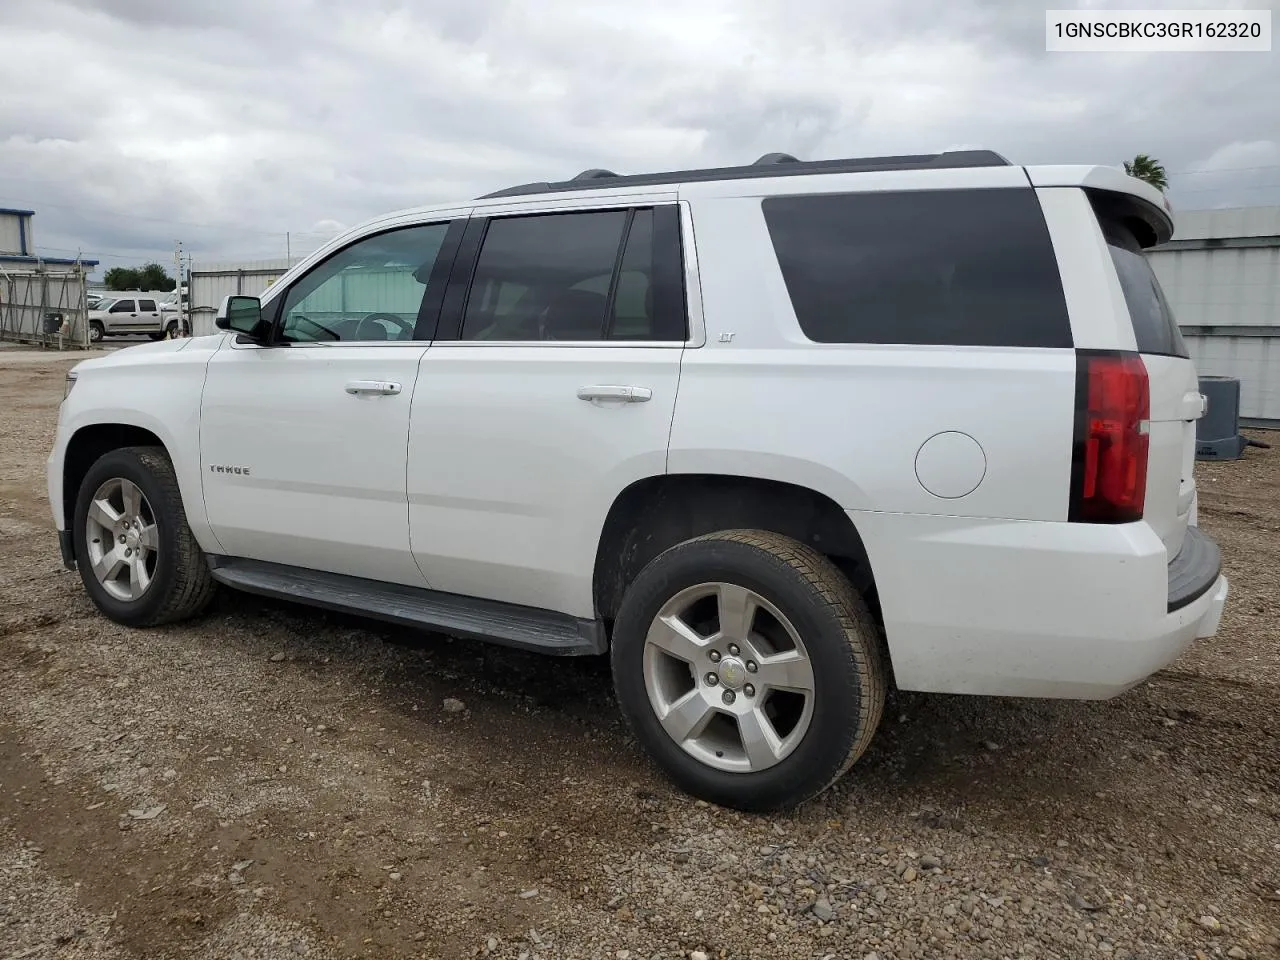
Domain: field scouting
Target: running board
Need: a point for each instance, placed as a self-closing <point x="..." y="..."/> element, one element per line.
<point x="527" y="628"/>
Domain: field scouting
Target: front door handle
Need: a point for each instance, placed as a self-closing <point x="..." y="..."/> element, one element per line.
<point x="616" y="394"/>
<point x="377" y="388"/>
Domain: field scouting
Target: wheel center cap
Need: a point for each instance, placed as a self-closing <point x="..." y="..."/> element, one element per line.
<point x="732" y="672"/>
<point x="131" y="540"/>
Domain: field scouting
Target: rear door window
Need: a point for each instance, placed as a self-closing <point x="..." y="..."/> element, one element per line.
<point x="600" y="275"/>
<point x="968" y="267"/>
<point x="146" y="306"/>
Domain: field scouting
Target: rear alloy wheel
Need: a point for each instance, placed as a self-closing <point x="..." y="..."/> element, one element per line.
<point x="749" y="668"/>
<point x="135" y="552"/>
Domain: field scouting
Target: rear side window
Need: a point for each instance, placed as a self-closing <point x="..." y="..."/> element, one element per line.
<point x="1154" y="326"/>
<point x="954" y="267"/>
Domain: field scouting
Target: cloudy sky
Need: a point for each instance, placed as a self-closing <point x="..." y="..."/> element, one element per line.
<point x="129" y="124"/>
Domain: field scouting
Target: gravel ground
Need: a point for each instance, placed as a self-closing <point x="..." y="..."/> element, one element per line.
<point x="276" y="782"/>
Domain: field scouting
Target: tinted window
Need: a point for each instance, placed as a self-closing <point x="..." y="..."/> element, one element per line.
<point x="529" y="277"/>
<point x="1154" y="327"/>
<point x="122" y="306"/>
<point x="369" y="291"/>
<point x="632" y="314"/>
<point x="147" y="306"/>
<point x="962" y="267"/>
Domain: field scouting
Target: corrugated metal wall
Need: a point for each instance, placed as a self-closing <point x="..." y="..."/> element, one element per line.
<point x="1221" y="273"/>
<point x="1229" y="286"/>
<point x="1254" y="361"/>
<point x="211" y="283"/>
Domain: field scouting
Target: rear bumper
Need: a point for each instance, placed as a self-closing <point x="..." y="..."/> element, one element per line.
<point x="1194" y="570"/>
<point x="1032" y="609"/>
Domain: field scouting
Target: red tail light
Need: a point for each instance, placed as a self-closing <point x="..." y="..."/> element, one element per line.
<point x="1109" y="460"/>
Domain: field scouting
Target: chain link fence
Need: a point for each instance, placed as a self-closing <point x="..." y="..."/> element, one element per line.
<point x="46" y="308"/>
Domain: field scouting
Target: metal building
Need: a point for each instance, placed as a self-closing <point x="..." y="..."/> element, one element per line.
<point x="1221" y="274"/>
<point x="42" y="299"/>
<point x="210" y="283"/>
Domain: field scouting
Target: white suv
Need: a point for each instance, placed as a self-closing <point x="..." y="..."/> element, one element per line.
<point x="761" y="434"/>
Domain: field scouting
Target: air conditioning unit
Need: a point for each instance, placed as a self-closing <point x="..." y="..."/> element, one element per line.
<point x="1218" y="431"/>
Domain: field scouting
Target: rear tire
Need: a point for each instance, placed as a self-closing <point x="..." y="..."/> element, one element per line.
<point x="134" y="550"/>
<point x="171" y="331"/>
<point x="770" y="745"/>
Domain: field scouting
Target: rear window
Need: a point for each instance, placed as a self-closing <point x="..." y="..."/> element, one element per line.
<point x="1154" y="326"/>
<point x="953" y="267"/>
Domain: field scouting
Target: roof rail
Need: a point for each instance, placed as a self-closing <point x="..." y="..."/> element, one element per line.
<point x="769" y="165"/>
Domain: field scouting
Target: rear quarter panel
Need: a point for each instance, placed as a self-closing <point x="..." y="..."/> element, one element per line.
<point x="761" y="400"/>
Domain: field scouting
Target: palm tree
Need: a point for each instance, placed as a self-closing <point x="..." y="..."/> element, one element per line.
<point x="1149" y="169"/>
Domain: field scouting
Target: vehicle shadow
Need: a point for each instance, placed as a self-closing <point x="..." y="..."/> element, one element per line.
<point x="950" y="752"/>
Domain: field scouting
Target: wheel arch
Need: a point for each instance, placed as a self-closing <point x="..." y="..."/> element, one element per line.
<point x="657" y="512"/>
<point x="90" y="442"/>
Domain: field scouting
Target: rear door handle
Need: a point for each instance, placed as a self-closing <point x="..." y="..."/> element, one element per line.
<point x="616" y="394"/>
<point x="379" y="388"/>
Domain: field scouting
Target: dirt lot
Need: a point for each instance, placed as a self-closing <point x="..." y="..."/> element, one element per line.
<point x="275" y="782"/>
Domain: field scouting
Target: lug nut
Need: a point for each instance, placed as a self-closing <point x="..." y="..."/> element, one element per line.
<point x="712" y="679"/>
<point x="733" y="649"/>
<point x="749" y="690"/>
<point x="752" y="666"/>
<point x="122" y="538"/>
<point x="714" y="655"/>
<point x="128" y="552"/>
<point x="728" y="696"/>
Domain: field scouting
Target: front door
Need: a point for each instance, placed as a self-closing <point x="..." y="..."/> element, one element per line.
<point x="303" y="440"/>
<point x="553" y="391"/>
<point x="122" y="316"/>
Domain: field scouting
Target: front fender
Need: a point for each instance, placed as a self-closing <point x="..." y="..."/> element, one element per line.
<point x="154" y="390"/>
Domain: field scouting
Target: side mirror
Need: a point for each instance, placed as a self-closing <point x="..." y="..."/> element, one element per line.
<point x="242" y="315"/>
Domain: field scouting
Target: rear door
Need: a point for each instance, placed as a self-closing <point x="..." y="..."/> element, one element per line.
<point x="1176" y="403"/>
<point x="149" y="315"/>
<point x="553" y="391"/>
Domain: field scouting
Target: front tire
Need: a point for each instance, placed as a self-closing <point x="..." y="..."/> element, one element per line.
<point x="749" y="669"/>
<point x="134" y="550"/>
<point x="96" y="332"/>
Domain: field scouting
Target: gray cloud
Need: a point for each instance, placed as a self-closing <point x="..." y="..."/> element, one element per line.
<point x="139" y="122"/>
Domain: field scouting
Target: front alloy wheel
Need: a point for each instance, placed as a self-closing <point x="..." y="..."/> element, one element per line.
<point x="122" y="539"/>
<point x="135" y="551"/>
